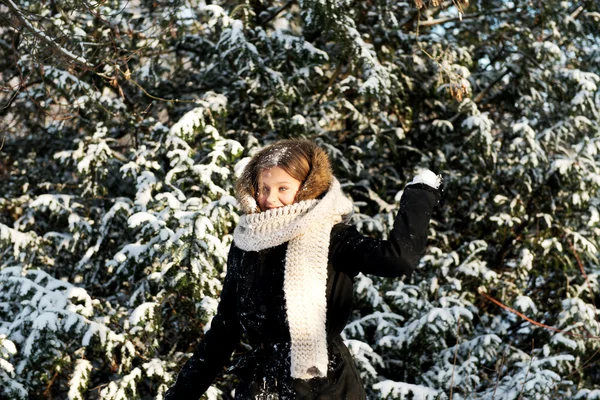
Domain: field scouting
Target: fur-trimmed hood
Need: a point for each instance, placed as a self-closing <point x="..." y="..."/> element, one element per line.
<point x="315" y="184"/>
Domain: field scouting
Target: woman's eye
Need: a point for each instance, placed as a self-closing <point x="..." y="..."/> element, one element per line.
<point x="283" y="189"/>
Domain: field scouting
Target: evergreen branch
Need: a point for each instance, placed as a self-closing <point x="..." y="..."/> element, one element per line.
<point x="42" y="36"/>
<point x="439" y="21"/>
<point x="533" y="322"/>
<point x="482" y="94"/>
<point x="516" y="232"/>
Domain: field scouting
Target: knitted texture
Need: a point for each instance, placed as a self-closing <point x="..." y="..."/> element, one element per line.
<point x="306" y="226"/>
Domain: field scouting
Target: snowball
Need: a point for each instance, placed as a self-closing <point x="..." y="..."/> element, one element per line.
<point x="427" y="177"/>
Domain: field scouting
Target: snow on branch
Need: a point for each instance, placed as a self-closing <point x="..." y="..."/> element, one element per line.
<point x="402" y="390"/>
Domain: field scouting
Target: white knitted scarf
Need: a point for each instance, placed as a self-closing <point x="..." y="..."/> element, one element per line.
<point x="306" y="226"/>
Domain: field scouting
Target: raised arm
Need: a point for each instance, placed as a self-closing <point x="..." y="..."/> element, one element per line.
<point x="214" y="351"/>
<point x="399" y="255"/>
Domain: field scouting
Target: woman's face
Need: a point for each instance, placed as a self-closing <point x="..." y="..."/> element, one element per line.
<point x="276" y="188"/>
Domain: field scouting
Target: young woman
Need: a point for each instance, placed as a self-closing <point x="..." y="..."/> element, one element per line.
<point x="289" y="278"/>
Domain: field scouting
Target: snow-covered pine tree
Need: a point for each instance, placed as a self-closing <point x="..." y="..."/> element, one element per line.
<point x="118" y="224"/>
<point x="123" y="124"/>
<point x="519" y="156"/>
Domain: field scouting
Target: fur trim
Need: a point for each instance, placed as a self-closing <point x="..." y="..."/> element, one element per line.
<point x="319" y="178"/>
<point x="315" y="184"/>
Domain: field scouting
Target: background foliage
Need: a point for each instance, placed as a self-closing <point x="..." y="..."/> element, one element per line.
<point x="122" y="125"/>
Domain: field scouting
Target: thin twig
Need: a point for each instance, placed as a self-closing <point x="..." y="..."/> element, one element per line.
<point x="98" y="387"/>
<point x="588" y="363"/>
<point x="551" y="328"/>
<point x="127" y="76"/>
<point x="481" y="94"/>
<point x="80" y="60"/>
<point x="587" y="280"/>
<point x="13" y="97"/>
<point x="47" y="391"/>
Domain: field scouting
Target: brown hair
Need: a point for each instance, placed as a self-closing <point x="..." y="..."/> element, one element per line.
<point x="301" y="159"/>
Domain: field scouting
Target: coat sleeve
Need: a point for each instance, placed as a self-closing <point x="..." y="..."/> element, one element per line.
<point x="400" y="253"/>
<point x="211" y="354"/>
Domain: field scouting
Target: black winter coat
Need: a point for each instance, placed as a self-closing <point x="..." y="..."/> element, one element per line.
<point x="252" y="304"/>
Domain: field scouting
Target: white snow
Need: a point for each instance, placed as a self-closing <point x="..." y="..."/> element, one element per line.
<point x="7" y="347"/>
<point x="525" y="304"/>
<point x="47" y="320"/>
<point x="155" y="367"/>
<point x="402" y="390"/>
<point x="143" y="313"/>
<point x="587" y="394"/>
<point x="19" y="240"/>
<point x="140" y="218"/>
<point x="79" y="379"/>
<point x="186" y="125"/>
<point x="298" y="120"/>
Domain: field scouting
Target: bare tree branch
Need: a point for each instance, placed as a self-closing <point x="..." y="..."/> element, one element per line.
<point x="482" y="94"/>
<point x="276" y="13"/>
<point x="41" y="35"/>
